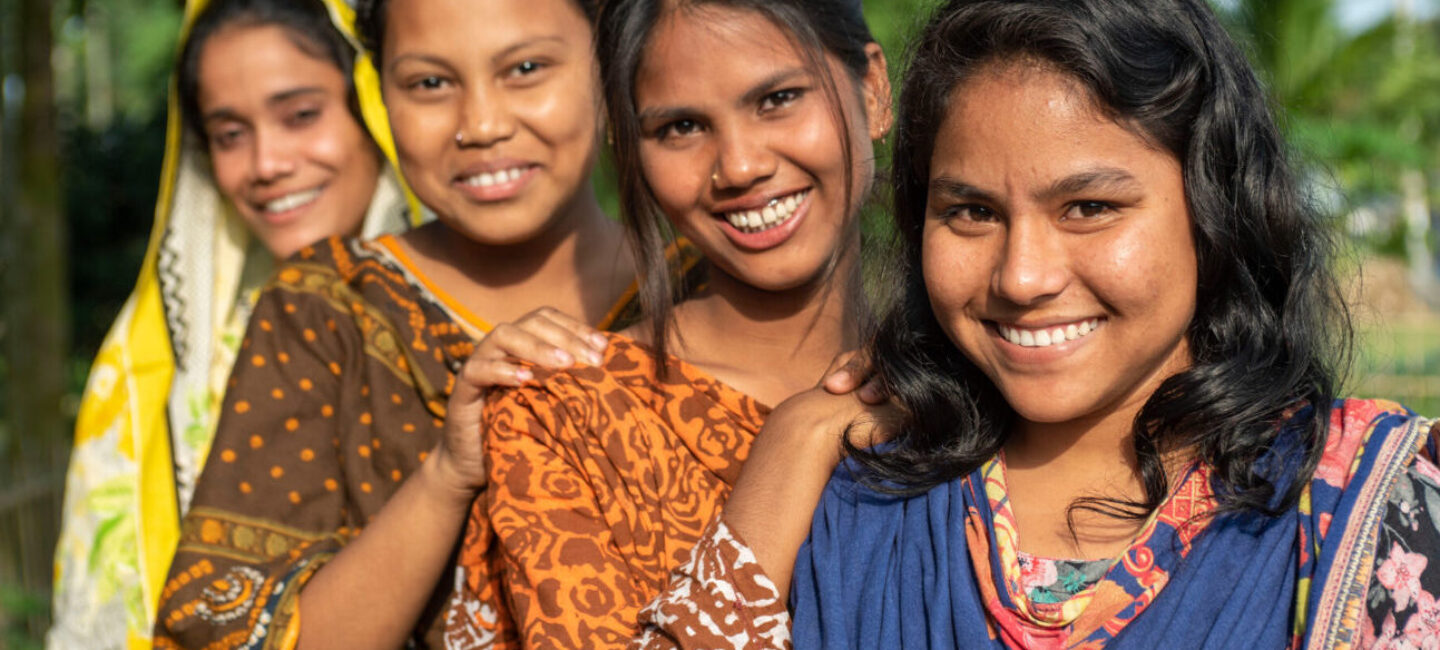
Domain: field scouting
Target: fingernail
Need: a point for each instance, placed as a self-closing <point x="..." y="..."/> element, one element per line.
<point x="596" y="359"/>
<point x="599" y="341"/>
<point x="840" y="375"/>
<point x="524" y="374"/>
<point x="564" y="357"/>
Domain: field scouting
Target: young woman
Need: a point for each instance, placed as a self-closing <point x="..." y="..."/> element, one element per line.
<point x="744" y="126"/>
<point x="1116" y="357"/>
<point x="337" y="418"/>
<point x="264" y="156"/>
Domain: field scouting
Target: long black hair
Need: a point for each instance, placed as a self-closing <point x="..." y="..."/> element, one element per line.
<point x="305" y="22"/>
<point x="817" y="28"/>
<point x="1270" y="334"/>
<point x="370" y="20"/>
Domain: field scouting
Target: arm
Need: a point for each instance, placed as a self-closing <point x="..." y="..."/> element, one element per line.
<point x="567" y="580"/>
<point x="720" y="595"/>
<point x="376" y="588"/>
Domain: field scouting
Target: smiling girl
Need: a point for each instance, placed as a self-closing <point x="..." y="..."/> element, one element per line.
<point x="1116" y="358"/>
<point x="746" y="128"/>
<point x="340" y="478"/>
<point x="266" y="153"/>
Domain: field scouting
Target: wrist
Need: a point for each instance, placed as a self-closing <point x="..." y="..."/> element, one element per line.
<point x="444" y="481"/>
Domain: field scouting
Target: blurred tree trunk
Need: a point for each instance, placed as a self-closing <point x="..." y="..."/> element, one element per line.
<point x="36" y="318"/>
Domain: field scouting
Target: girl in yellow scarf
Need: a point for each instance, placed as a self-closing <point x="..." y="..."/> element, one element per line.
<point x="261" y="159"/>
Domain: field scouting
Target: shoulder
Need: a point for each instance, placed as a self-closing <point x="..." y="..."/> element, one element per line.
<point x="583" y="397"/>
<point x="1359" y="428"/>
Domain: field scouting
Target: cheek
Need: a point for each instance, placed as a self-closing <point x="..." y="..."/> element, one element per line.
<point x="232" y="170"/>
<point x="1144" y="269"/>
<point x="674" y="178"/>
<point x="421" y="135"/>
<point x="953" y="273"/>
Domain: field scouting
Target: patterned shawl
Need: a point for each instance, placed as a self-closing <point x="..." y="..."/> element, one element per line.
<point x="940" y="570"/>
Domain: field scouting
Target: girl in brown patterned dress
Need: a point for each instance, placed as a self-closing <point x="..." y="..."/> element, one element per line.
<point x="336" y="420"/>
<point x="746" y="127"/>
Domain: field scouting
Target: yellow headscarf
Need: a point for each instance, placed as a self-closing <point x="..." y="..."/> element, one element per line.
<point x="147" y="415"/>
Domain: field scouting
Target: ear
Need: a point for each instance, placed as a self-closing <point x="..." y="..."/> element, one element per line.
<point x="876" y="90"/>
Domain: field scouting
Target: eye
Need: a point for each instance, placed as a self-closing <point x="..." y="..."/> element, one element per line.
<point x="226" y="138"/>
<point x="303" y="117"/>
<point x="526" y="68"/>
<point x="1088" y="210"/>
<point x="780" y="99"/>
<point x="430" y="82"/>
<point x="971" y="212"/>
<point x="677" y="129"/>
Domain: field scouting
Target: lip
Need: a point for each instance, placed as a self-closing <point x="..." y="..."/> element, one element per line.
<point x="1025" y="355"/>
<point x="286" y="216"/>
<point x="499" y="191"/>
<point x="767" y="239"/>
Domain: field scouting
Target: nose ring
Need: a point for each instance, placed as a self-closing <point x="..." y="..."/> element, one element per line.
<point x="460" y="138"/>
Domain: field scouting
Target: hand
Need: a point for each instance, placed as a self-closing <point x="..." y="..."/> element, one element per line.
<point x="544" y="337"/>
<point x="852" y="372"/>
<point x="819" y="420"/>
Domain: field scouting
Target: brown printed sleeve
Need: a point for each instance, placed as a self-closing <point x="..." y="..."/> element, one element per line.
<point x="271" y="505"/>
<point x="720" y="598"/>
<point x="565" y="576"/>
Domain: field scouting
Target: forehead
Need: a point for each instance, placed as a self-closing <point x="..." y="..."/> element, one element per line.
<point x="248" y="64"/>
<point x="1025" y="120"/>
<point x="469" y="28"/>
<point x="696" y="52"/>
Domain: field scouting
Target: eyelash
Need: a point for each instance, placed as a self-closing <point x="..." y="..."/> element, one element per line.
<point x="428" y="83"/>
<point x="955" y="212"/>
<point x="781" y="98"/>
<point x="526" y="68"/>
<point x="670" y="129"/>
<point x="1080" y="207"/>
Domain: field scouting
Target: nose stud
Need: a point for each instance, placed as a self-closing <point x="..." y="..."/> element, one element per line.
<point x="460" y="138"/>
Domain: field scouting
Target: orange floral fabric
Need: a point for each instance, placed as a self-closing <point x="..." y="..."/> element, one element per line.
<point x="602" y="482"/>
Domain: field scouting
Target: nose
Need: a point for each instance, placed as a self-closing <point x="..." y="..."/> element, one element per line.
<point x="742" y="160"/>
<point x="274" y="156"/>
<point x="485" y="119"/>
<point x="1035" y="266"/>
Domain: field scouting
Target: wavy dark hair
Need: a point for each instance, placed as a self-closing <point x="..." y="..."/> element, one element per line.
<point x="817" y="27"/>
<point x="305" y="22"/>
<point x="1270" y="334"/>
<point x="370" y="19"/>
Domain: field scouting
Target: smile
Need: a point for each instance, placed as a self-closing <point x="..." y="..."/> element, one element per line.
<point x="488" y="179"/>
<point x="1048" y="336"/>
<point x="777" y="212"/>
<point x="292" y="201"/>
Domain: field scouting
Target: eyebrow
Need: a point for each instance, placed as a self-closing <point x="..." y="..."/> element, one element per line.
<point x="759" y="90"/>
<point x="225" y="114"/>
<point x="502" y="54"/>
<point x="1103" y="177"/>
<point x="1106" y="177"/>
<point x="285" y="96"/>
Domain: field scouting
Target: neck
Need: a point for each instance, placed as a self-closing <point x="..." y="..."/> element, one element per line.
<point x="772" y="344"/>
<point x="503" y="265"/>
<point x="576" y="264"/>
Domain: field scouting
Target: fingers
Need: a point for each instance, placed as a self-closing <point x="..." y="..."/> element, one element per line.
<point x="855" y="372"/>
<point x="544" y="337"/>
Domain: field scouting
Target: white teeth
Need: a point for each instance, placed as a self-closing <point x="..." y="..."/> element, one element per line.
<point x="1050" y="336"/>
<point x="778" y="211"/>
<point x="292" y="201"/>
<point x="487" y="179"/>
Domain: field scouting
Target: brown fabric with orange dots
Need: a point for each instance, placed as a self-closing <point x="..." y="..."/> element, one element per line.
<point x="337" y="395"/>
<point x="602" y="481"/>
